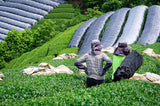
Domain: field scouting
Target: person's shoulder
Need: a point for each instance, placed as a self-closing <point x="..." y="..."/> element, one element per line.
<point x="104" y="54"/>
<point x="86" y="55"/>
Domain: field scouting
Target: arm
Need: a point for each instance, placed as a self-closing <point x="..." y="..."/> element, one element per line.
<point x="108" y="64"/>
<point x="79" y="65"/>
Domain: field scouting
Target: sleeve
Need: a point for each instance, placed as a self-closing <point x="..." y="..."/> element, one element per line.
<point x="108" y="63"/>
<point x="79" y="65"/>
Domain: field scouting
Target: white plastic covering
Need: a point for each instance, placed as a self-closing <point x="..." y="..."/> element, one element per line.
<point x="133" y="25"/>
<point x="33" y="4"/>
<point x="9" y="26"/>
<point x="21" y="12"/>
<point x="15" y="22"/>
<point x="3" y="31"/>
<point x="79" y="33"/>
<point x="25" y="8"/>
<point x="114" y="27"/>
<point x="48" y="2"/>
<point x="151" y="30"/>
<point x="1" y="1"/>
<point x="18" y="17"/>
<point x="94" y="32"/>
<point x="60" y="1"/>
<point x="2" y="36"/>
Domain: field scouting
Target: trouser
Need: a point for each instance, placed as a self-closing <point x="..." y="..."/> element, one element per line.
<point x="94" y="82"/>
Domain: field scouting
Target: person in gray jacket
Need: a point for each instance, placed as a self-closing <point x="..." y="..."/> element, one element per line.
<point x="94" y="60"/>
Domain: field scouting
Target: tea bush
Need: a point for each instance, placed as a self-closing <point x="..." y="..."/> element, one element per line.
<point x="64" y="89"/>
<point x="60" y="15"/>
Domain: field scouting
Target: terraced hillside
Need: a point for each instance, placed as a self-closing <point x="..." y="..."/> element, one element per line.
<point x="138" y="25"/>
<point x="22" y="14"/>
<point x="70" y="89"/>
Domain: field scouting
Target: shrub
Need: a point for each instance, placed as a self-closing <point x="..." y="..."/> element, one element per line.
<point x="77" y="19"/>
<point x="16" y="43"/>
<point x="44" y="33"/>
<point x="93" y="12"/>
<point x="111" y="5"/>
<point x="2" y="62"/>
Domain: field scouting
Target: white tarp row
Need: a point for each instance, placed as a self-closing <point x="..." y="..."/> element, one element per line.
<point x="48" y="2"/>
<point x="133" y="25"/>
<point x="1" y="1"/>
<point x="60" y="1"/>
<point x="33" y="4"/>
<point x="151" y="30"/>
<point x="130" y="32"/>
<point x="2" y="36"/>
<point x="114" y="27"/>
<point x="21" y="12"/>
<point x="25" y="8"/>
<point x="94" y="32"/>
<point x="9" y="26"/>
<point x="3" y="31"/>
<point x="15" y="22"/>
<point x="77" y="37"/>
<point x="18" y="17"/>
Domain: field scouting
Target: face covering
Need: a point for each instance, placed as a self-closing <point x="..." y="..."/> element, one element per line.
<point x="96" y="47"/>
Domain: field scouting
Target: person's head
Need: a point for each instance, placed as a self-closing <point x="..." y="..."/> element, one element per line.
<point x="122" y="49"/>
<point x="96" y="47"/>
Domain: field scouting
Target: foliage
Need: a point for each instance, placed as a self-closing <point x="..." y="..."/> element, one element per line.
<point x="93" y="3"/>
<point x="47" y="50"/>
<point x="93" y="12"/>
<point x="111" y="5"/>
<point x="17" y="43"/>
<point x="44" y="33"/>
<point x="2" y="62"/>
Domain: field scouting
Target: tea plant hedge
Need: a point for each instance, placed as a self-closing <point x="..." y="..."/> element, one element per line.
<point x="64" y="89"/>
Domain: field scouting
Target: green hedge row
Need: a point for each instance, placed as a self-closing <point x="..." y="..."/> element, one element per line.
<point x="68" y="10"/>
<point x="60" y="16"/>
<point x="66" y="6"/>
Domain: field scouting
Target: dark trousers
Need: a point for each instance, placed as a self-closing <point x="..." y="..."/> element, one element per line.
<point x="94" y="82"/>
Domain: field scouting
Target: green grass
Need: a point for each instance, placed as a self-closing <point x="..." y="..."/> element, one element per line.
<point x="64" y="89"/>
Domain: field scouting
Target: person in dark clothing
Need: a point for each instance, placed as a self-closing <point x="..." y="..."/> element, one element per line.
<point x="94" y="60"/>
<point x="119" y="54"/>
